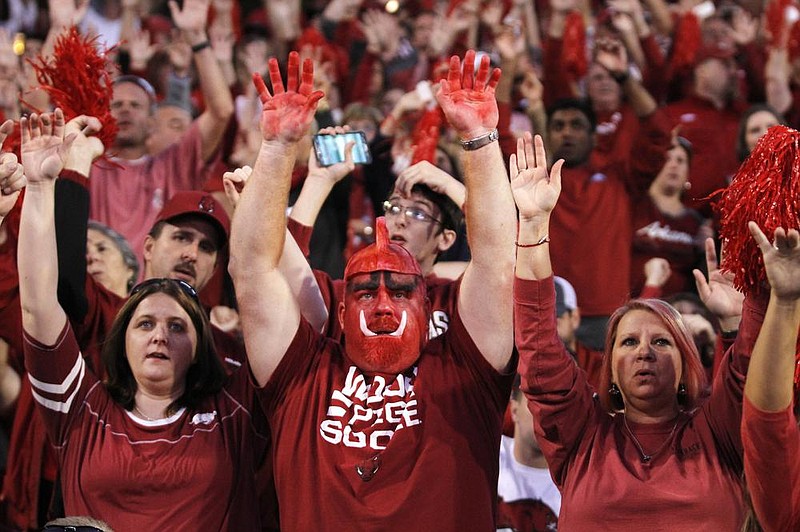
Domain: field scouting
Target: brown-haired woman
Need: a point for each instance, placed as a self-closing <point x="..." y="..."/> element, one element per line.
<point x="168" y="443"/>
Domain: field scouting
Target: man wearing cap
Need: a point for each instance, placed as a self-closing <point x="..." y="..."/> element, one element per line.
<point x="128" y="193"/>
<point x="709" y="119"/>
<point x="390" y="430"/>
<point x="568" y="319"/>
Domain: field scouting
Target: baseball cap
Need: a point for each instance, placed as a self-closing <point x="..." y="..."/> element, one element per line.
<point x="566" y="300"/>
<point x="195" y="202"/>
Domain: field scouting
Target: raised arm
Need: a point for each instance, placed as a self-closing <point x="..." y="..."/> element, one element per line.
<point x="485" y="298"/>
<point x="269" y="313"/>
<point x="43" y="155"/>
<point x="535" y="194"/>
<point x="769" y="384"/>
<point x="293" y="264"/>
<point x="191" y="19"/>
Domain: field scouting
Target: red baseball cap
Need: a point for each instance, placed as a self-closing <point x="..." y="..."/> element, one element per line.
<point x="195" y="202"/>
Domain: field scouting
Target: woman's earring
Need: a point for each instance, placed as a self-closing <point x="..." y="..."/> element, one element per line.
<point x="616" y="398"/>
<point x="682" y="395"/>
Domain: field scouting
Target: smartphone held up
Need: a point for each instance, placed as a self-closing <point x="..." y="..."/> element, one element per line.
<point x="329" y="149"/>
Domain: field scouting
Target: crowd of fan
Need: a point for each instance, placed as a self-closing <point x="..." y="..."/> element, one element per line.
<point x="652" y="105"/>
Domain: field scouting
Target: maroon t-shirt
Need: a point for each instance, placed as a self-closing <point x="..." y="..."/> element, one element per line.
<point x="674" y="238"/>
<point x="772" y="466"/>
<point x="414" y="451"/>
<point x="692" y="481"/>
<point x="192" y="471"/>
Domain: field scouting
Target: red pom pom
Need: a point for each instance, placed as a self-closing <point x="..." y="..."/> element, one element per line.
<point x="78" y="79"/>
<point x="686" y="42"/>
<point x="573" y="55"/>
<point x="766" y="190"/>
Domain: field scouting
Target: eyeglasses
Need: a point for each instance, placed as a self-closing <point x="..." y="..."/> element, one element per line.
<point x="391" y="208"/>
<point x="185" y="287"/>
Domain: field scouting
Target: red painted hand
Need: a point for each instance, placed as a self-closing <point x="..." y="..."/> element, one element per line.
<point x="287" y="113"/>
<point x="467" y="99"/>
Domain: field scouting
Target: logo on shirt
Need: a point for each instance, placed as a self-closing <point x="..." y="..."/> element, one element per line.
<point x="688" y="117"/>
<point x="656" y="231"/>
<point x="362" y="415"/>
<point x="438" y="323"/>
<point x="203" y="418"/>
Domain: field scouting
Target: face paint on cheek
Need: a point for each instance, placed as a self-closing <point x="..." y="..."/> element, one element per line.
<point x="384" y="344"/>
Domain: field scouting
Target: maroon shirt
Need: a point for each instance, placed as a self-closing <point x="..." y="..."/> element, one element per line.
<point x="414" y="451"/>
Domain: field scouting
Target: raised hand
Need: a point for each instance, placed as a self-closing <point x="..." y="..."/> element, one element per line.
<point x="63" y="14"/>
<point x="43" y="150"/>
<point x="781" y="260"/>
<point x="611" y="54"/>
<point x="192" y="16"/>
<point x="85" y="147"/>
<point x="718" y="292"/>
<point x="467" y="99"/>
<point x="656" y="271"/>
<point x="234" y="182"/>
<point x="435" y="178"/>
<point x="336" y="172"/>
<point x="287" y="113"/>
<point x="535" y="191"/>
<point x="12" y="176"/>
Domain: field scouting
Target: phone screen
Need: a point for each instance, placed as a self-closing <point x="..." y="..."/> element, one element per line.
<point x="329" y="149"/>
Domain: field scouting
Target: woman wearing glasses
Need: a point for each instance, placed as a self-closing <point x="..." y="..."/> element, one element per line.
<point x="167" y="442"/>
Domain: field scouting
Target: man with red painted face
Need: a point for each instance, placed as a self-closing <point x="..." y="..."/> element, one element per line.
<point x="390" y="430"/>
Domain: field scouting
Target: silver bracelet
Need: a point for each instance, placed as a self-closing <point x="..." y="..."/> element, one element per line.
<point x="480" y="142"/>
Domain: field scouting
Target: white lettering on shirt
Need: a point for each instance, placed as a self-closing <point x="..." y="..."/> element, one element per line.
<point x="656" y="231"/>
<point x="361" y="416"/>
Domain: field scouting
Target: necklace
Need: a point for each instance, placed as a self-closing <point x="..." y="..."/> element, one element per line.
<point x="148" y="418"/>
<point x="647" y="457"/>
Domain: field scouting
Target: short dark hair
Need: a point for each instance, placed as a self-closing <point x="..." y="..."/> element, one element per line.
<point x="205" y="377"/>
<point x="580" y="105"/>
<point x="741" y="145"/>
<point x="451" y="215"/>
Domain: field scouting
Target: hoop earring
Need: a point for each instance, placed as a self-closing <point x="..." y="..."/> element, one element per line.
<point x="682" y="395"/>
<point x="615" y="395"/>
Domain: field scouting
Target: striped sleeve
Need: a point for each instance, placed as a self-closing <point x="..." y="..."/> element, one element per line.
<point x="59" y="380"/>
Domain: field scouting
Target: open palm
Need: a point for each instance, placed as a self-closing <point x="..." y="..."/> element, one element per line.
<point x="535" y="191"/>
<point x="287" y="113"/>
<point x="781" y="260"/>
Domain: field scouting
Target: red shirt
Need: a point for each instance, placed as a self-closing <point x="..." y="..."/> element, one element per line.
<point x="772" y="466"/>
<point x="128" y="195"/>
<point x="712" y="133"/>
<point x="675" y="239"/>
<point x="414" y="451"/>
<point x="194" y="470"/>
<point x="590" y="229"/>
<point x="693" y="482"/>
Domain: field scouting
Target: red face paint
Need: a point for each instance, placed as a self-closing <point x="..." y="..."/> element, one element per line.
<point x="384" y="320"/>
<point x="385" y="315"/>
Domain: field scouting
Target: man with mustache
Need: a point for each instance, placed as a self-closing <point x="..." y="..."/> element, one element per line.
<point x="390" y="430"/>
